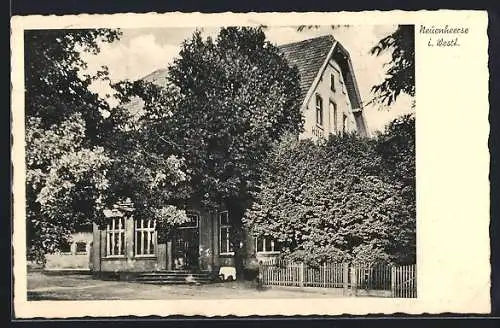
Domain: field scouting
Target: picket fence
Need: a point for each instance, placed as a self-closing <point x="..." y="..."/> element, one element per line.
<point x="396" y="281"/>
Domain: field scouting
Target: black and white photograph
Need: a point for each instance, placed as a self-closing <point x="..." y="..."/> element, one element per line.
<point x="221" y="162"/>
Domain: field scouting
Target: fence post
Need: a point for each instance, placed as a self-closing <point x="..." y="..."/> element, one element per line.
<point x="324" y="275"/>
<point x="393" y="281"/>
<point x="260" y="276"/>
<point x="354" y="279"/>
<point x="345" y="277"/>
<point x="301" y="275"/>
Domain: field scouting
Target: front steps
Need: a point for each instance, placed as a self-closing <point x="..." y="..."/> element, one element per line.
<point x="175" y="278"/>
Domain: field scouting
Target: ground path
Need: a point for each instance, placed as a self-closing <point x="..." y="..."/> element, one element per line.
<point x="83" y="287"/>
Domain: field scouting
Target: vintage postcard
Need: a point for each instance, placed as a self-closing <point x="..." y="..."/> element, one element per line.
<point x="250" y="164"/>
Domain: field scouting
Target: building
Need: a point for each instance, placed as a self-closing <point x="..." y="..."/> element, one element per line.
<point x="74" y="255"/>
<point x="331" y="104"/>
<point x="331" y="101"/>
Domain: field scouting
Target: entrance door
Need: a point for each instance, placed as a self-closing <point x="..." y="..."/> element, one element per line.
<point x="185" y="246"/>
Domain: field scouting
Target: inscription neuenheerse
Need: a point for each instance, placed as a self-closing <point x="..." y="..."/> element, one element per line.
<point x="444" y="36"/>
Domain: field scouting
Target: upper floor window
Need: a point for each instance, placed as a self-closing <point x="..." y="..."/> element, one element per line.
<point x="344" y="123"/>
<point x="342" y="85"/>
<point x="333" y="113"/>
<point x="225" y="243"/>
<point x="115" y="237"/>
<point x="266" y="245"/>
<point x="319" y="110"/>
<point x="145" y="237"/>
<point x="332" y="82"/>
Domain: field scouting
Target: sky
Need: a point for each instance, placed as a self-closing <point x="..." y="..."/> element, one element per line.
<point x="142" y="51"/>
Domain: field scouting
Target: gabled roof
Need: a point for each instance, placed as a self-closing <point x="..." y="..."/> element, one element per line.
<point x="311" y="56"/>
<point x="308" y="56"/>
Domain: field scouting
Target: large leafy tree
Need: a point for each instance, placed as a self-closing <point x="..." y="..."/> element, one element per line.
<point x="236" y="95"/>
<point x="56" y="80"/>
<point x="65" y="182"/>
<point x="143" y="169"/>
<point x="78" y="160"/>
<point x="400" y="71"/>
<point x="64" y="163"/>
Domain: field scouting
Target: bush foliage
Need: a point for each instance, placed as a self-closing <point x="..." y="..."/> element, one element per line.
<point x="347" y="198"/>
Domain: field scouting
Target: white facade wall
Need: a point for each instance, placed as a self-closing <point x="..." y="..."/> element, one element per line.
<point x="331" y="123"/>
<point x="73" y="260"/>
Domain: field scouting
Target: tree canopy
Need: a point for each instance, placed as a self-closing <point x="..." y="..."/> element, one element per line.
<point x="78" y="160"/>
<point x="400" y="71"/>
<point x="143" y="170"/>
<point x="65" y="176"/>
<point x="237" y="95"/>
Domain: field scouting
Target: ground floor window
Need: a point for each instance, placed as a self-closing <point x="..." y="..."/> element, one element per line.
<point x="267" y="245"/>
<point x="145" y="237"/>
<point x="225" y="245"/>
<point x="81" y="247"/>
<point x="65" y="247"/>
<point x="115" y="237"/>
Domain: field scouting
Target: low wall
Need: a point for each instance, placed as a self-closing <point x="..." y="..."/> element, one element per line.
<point x="131" y="265"/>
<point x="67" y="262"/>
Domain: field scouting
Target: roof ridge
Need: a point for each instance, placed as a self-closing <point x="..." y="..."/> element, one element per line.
<point x="326" y="36"/>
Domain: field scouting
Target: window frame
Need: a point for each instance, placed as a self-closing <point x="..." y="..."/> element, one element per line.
<point x="319" y="109"/>
<point x="70" y="252"/>
<point x="344" y="123"/>
<point x="342" y="85"/>
<point x="152" y="236"/>
<point x="264" y="242"/>
<point x="111" y="231"/>
<point x="194" y="214"/>
<point x="229" y="247"/>
<point x="335" y="116"/>
<point x="85" y="252"/>
<point x="332" y="83"/>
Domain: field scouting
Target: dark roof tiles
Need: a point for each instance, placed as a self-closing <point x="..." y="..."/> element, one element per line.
<point x="158" y="77"/>
<point x="308" y="56"/>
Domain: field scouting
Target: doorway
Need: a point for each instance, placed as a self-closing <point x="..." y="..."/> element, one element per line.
<point x="185" y="245"/>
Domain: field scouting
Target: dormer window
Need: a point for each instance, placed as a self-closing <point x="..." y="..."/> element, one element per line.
<point x="319" y="110"/>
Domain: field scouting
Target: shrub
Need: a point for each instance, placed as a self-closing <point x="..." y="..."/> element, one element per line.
<point x="334" y="201"/>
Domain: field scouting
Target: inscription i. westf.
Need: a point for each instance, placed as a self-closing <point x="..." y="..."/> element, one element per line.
<point x="451" y="38"/>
